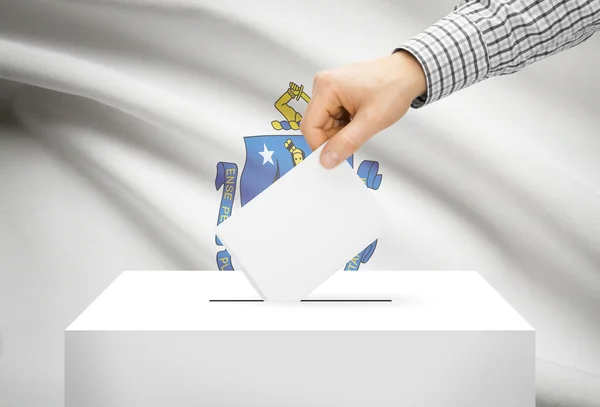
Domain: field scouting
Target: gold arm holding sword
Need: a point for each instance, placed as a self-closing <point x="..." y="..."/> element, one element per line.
<point x="299" y="90"/>
<point x="291" y="115"/>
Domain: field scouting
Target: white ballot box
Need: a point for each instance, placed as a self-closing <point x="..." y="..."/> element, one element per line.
<point x="369" y="339"/>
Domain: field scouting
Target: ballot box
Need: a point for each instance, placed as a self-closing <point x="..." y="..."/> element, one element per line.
<point x="205" y="338"/>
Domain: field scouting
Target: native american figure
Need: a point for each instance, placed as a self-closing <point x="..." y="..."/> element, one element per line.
<point x="297" y="153"/>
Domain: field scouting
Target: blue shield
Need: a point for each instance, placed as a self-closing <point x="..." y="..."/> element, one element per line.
<point x="269" y="158"/>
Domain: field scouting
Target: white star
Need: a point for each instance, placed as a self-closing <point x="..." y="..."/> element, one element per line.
<point x="267" y="155"/>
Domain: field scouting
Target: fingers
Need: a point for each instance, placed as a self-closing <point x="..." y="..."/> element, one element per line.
<point x="326" y="118"/>
<point x="318" y="112"/>
<point x="349" y="139"/>
<point x="313" y="123"/>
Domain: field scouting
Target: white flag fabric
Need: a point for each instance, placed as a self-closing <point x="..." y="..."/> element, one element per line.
<point x="139" y="125"/>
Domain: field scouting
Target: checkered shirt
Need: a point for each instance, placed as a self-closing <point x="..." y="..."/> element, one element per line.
<point x="486" y="38"/>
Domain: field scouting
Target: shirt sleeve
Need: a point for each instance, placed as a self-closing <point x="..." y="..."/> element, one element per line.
<point x="486" y="38"/>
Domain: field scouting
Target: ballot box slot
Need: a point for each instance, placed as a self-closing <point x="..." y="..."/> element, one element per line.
<point x="345" y="300"/>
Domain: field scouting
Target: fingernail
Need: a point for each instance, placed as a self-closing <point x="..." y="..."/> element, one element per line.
<point x="330" y="159"/>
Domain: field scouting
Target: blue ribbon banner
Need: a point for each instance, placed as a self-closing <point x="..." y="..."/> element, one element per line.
<point x="224" y="260"/>
<point x="361" y="257"/>
<point x="227" y="174"/>
<point x="368" y="173"/>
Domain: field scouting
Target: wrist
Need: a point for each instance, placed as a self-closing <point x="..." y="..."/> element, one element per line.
<point x="410" y="73"/>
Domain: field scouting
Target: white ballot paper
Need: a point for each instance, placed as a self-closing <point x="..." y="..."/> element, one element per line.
<point x="302" y="229"/>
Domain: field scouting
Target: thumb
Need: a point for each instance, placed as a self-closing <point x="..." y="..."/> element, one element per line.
<point x="349" y="139"/>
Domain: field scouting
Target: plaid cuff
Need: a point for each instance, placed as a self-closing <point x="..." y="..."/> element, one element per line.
<point x="453" y="55"/>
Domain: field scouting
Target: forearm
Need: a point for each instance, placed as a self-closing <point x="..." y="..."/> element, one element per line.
<point x="481" y="39"/>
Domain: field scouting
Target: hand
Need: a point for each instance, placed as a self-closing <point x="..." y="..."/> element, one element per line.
<point x="295" y="90"/>
<point x="351" y="104"/>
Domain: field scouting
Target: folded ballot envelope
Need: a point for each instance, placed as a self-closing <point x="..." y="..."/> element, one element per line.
<point x="302" y="229"/>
